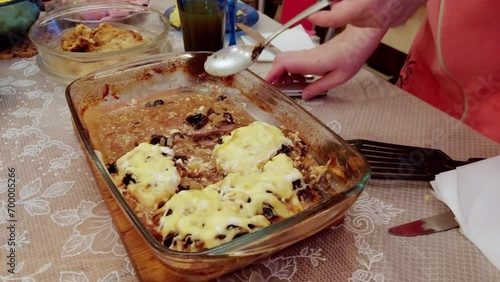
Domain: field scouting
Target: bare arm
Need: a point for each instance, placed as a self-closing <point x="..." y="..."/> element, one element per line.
<point x="367" y="13"/>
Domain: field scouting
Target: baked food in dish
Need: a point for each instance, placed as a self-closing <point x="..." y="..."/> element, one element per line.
<point x="106" y="37"/>
<point x="122" y="92"/>
<point x="200" y="171"/>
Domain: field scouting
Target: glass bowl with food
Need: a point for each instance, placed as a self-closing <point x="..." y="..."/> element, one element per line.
<point x="214" y="173"/>
<point x="74" y="40"/>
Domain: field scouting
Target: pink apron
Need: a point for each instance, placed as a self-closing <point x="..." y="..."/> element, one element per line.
<point x="454" y="62"/>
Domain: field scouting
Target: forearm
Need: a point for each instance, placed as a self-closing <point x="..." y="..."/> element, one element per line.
<point x="367" y="13"/>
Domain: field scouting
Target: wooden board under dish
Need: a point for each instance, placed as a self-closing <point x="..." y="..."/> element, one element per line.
<point x="147" y="267"/>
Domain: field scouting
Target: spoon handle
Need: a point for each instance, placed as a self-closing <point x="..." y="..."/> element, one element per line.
<point x="231" y="12"/>
<point x="312" y="9"/>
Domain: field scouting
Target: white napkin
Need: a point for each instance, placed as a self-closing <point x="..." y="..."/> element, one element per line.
<point x="293" y="39"/>
<point x="473" y="194"/>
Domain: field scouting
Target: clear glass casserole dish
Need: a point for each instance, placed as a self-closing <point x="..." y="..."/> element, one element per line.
<point x="124" y="85"/>
<point x="65" y="66"/>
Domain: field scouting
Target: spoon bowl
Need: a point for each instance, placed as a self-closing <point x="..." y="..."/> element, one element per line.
<point x="236" y="58"/>
<point x="232" y="59"/>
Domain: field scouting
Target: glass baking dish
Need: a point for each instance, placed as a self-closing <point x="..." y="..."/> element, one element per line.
<point x="124" y="83"/>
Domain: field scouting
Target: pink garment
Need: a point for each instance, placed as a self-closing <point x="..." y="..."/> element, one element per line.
<point x="291" y="8"/>
<point x="454" y="62"/>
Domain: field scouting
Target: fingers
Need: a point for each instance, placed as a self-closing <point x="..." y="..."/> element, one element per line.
<point x="292" y="77"/>
<point x="311" y="61"/>
<point x="327" y="82"/>
<point x="288" y="78"/>
<point x="289" y="66"/>
<point x="276" y="74"/>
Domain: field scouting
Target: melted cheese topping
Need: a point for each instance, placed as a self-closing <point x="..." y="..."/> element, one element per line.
<point x="234" y="205"/>
<point x="272" y="188"/>
<point x="202" y="216"/>
<point x="249" y="147"/>
<point x="257" y="189"/>
<point x="154" y="176"/>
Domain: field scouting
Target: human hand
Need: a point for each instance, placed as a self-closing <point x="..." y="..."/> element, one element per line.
<point x="336" y="60"/>
<point x="367" y="13"/>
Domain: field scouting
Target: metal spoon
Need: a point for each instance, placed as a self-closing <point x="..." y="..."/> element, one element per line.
<point x="236" y="58"/>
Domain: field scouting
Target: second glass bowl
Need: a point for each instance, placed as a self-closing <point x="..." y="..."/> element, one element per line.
<point x="65" y="66"/>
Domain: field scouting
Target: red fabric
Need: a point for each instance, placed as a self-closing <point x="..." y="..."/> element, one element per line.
<point x="291" y="8"/>
<point x="465" y="80"/>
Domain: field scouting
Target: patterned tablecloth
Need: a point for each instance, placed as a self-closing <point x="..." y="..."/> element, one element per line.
<point x="63" y="232"/>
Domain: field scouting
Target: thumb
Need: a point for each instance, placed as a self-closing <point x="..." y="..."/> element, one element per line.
<point x="314" y="88"/>
<point x="327" y="82"/>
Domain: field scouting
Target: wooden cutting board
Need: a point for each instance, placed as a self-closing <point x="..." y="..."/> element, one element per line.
<point x="148" y="268"/>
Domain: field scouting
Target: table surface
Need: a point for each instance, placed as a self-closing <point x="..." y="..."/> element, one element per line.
<point x="63" y="230"/>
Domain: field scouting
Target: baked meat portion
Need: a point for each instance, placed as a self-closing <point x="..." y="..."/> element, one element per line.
<point x="106" y="37"/>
